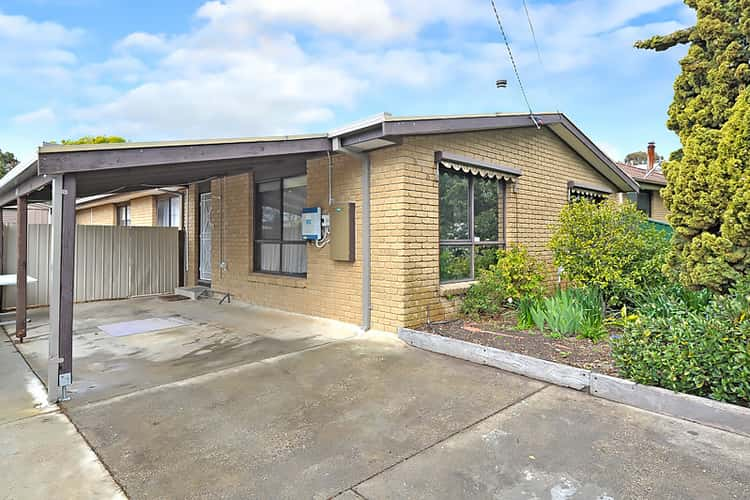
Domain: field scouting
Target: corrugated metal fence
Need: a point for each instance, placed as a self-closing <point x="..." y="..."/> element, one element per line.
<point x="111" y="262"/>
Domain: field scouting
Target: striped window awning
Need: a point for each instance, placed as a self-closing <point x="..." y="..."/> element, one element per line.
<point x="476" y="167"/>
<point x="578" y="189"/>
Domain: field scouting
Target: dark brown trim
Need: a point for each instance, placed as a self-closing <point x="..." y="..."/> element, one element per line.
<point x="67" y="272"/>
<point x="24" y="188"/>
<point x="83" y="161"/>
<point x="445" y="125"/>
<point x="22" y="221"/>
<point x="580" y="136"/>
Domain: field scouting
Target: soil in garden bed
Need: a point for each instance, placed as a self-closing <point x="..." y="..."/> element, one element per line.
<point x="501" y="334"/>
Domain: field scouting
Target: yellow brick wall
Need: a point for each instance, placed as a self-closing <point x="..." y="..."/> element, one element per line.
<point x="658" y="211"/>
<point x="405" y="226"/>
<point x="332" y="289"/>
<point x="547" y="165"/>
<point x="191" y="229"/>
<point x="103" y="215"/>
<point x="143" y="211"/>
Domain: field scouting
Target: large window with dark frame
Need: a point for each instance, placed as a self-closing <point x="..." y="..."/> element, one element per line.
<point x="471" y="231"/>
<point x="279" y="247"/>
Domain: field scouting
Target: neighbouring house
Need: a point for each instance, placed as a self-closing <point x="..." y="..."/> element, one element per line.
<point x="651" y="180"/>
<point x="38" y="213"/>
<point x="160" y="207"/>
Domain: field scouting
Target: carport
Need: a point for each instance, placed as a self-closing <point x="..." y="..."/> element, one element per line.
<point x="60" y="174"/>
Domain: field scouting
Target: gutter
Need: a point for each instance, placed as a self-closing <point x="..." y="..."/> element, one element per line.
<point x="364" y="158"/>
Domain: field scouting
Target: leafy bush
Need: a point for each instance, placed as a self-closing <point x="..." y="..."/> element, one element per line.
<point x="692" y="342"/>
<point x="515" y="274"/>
<point x="567" y="312"/>
<point x="610" y="246"/>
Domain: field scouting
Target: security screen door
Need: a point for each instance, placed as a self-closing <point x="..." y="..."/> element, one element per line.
<point x="204" y="269"/>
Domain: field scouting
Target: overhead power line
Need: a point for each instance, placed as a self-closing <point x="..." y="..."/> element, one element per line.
<point x="533" y="33"/>
<point x="513" y="62"/>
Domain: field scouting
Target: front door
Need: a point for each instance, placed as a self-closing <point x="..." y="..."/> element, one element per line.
<point x="204" y="269"/>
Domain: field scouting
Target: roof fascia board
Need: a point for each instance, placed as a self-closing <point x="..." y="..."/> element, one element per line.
<point x="24" y="188"/>
<point x="92" y="160"/>
<point x="461" y="124"/>
<point x="622" y="180"/>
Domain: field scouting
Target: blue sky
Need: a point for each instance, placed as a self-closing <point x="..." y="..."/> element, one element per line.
<point x="180" y="69"/>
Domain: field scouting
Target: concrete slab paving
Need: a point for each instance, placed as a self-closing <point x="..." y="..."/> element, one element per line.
<point x="218" y="337"/>
<point x="302" y="425"/>
<point x="44" y="457"/>
<point x="41" y="453"/>
<point x="562" y="444"/>
<point x="21" y="393"/>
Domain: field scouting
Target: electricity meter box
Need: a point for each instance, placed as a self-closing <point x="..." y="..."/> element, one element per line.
<point x="311" y="224"/>
<point x="342" y="232"/>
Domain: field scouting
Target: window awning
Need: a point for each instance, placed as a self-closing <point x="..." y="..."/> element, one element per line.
<point x="476" y="167"/>
<point x="588" y="190"/>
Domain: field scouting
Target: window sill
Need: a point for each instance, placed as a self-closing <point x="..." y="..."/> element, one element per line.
<point x="452" y="289"/>
<point x="278" y="280"/>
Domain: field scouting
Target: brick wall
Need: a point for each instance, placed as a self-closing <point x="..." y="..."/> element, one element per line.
<point x="103" y="215"/>
<point x="143" y="211"/>
<point x="405" y="226"/>
<point x="547" y="165"/>
<point x="332" y="289"/>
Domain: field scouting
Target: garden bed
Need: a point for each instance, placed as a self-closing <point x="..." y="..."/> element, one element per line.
<point x="500" y="334"/>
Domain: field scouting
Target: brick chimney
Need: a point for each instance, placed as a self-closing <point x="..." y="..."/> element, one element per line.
<point x="651" y="156"/>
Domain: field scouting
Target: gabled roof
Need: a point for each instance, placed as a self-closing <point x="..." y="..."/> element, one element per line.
<point x="642" y="175"/>
<point x="131" y="166"/>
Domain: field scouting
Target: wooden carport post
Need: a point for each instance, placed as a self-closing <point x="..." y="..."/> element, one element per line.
<point x="62" y="270"/>
<point x="21" y="261"/>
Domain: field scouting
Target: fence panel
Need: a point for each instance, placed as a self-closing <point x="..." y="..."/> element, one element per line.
<point x="111" y="262"/>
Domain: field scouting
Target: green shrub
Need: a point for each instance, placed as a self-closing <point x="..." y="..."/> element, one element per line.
<point x="573" y="311"/>
<point x="609" y="246"/>
<point x="515" y="274"/>
<point x="692" y="342"/>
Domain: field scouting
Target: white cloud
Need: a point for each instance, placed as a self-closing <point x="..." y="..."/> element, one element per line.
<point x="40" y="116"/>
<point x="259" y="66"/>
<point x="143" y="41"/>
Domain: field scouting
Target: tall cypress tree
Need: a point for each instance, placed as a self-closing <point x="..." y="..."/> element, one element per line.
<point x="709" y="183"/>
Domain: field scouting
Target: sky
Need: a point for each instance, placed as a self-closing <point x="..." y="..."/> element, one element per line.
<point x="187" y="69"/>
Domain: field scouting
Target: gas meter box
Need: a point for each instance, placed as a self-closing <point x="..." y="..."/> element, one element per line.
<point x="311" y="223"/>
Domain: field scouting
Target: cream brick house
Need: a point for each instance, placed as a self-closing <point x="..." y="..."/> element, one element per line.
<point x="151" y="208"/>
<point x="443" y="192"/>
<point x="651" y="181"/>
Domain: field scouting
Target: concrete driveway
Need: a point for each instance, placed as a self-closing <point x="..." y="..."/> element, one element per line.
<point x="246" y="402"/>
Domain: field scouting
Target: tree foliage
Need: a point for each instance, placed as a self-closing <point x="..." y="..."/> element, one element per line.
<point x="710" y="113"/>
<point x="636" y="157"/>
<point x="7" y="162"/>
<point x="90" y="139"/>
<point x="639" y="158"/>
<point x="610" y="246"/>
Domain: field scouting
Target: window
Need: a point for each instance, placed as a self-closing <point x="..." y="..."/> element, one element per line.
<point x="279" y="247"/>
<point x="123" y="215"/>
<point x="642" y="200"/>
<point x="470" y="228"/>
<point x="168" y="211"/>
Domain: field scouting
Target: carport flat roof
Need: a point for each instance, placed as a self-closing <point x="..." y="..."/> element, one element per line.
<point x="122" y="167"/>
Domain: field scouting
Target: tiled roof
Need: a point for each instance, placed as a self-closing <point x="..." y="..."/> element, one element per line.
<point x="639" y="174"/>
